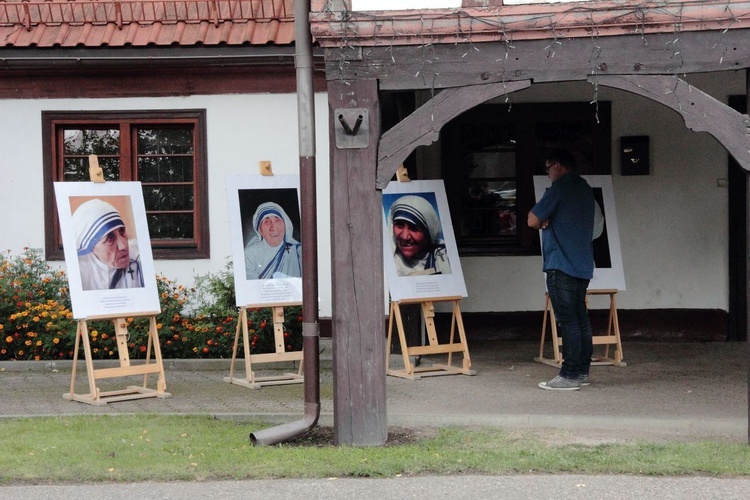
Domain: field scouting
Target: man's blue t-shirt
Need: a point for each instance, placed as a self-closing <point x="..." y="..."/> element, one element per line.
<point x="568" y="205"/>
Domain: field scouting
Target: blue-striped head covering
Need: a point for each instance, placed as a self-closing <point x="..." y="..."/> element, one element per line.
<point x="417" y="211"/>
<point x="270" y="208"/>
<point x="92" y="221"/>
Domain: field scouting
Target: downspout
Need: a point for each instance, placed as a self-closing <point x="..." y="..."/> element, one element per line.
<point x="310" y="336"/>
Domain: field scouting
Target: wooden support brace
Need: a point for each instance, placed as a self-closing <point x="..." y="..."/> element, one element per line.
<point x="611" y="338"/>
<point x="250" y="380"/>
<point x="97" y="397"/>
<point x="411" y="372"/>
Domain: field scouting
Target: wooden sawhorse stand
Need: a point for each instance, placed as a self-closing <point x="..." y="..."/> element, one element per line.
<point x="98" y="398"/>
<point x="611" y="338"/>
<point x="428" y="313"/>
<point x="250" y="380"/>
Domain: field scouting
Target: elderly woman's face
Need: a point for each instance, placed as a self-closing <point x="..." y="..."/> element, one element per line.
<point x="410" y="240"/>
<point x="272" y="229"/>
<point x="113" y="249"/>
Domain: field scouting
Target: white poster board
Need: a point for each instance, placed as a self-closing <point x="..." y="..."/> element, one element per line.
<point x="608" y="270"/>
<point x="107" y="249"/>
<point x="429" y="268"/>
<point x="267" y="271"/>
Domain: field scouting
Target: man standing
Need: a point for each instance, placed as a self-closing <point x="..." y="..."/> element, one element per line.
<point x="565" y="214"/>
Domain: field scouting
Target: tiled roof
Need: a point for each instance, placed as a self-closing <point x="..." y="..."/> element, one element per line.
<point x="138" y="23"/>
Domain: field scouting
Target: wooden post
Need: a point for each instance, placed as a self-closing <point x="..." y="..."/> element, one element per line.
<point x="359" y="376"/>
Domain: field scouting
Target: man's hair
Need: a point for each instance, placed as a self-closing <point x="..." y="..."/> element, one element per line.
<point x="563" y="157"/>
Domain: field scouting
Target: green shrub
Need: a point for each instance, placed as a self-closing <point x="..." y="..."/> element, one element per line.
<point x="216" y="316"/>
<point x="36" y="321"/>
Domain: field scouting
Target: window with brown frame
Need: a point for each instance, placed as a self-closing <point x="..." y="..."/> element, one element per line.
<point x="490" y="155"/>
<point x="164" y="150"/>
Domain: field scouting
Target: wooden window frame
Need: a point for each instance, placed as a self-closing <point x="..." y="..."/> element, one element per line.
<point x="198" y="247"/>
<point x="530" y="150"/>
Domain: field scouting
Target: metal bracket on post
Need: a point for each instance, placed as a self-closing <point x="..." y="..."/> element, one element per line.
<point x="352" y="127"/>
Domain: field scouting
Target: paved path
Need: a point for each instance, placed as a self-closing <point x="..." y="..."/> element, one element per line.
<point x="537" y="487"/>
<point x="675" y="390"/>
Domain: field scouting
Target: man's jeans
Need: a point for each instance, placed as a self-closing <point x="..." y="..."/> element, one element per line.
<point x="568" y="297"/>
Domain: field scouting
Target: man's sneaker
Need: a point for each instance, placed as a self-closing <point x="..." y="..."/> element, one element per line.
<point x="560" y="383"/>
<point x="583" y="379"/>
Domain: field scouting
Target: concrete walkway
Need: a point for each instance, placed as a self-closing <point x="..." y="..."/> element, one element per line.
<point x="666" y="391"/>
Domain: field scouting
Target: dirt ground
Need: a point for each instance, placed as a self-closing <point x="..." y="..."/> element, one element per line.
<point x="321" y="436"/>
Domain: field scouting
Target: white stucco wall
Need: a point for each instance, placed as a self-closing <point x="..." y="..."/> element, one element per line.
<point x="673" y="222"/>
<point x="241" y="129"/>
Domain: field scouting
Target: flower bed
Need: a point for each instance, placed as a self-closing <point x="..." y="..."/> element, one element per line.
<point x="36" y="322"/>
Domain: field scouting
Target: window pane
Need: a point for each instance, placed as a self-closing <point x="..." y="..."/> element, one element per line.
<point x="170" y="226"/>
<point x="168" y="198"/>
<point x="76" y="169"/>
<point x="492" y="164"/>
<point x="91" y="141"/>
<point x="165" y="168"/>
<point x="489" y="210"/>
<point x="161" y="141"/>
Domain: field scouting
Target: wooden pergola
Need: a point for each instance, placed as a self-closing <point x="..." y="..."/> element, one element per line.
<point x="466" y="57"/>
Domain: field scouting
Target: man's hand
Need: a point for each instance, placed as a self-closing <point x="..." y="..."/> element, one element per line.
<point x="534" y="222"/>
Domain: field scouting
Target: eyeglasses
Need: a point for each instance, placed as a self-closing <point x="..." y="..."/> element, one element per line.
<point x="548" y="167"/>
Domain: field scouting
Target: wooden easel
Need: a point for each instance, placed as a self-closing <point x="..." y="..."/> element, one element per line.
<point x="612" y="336"/>
<point x="428" y="313"/>
<point x="95" y="396"/>
<point x="98" y="398"/>
<point x="250" y="380"/>
<point x="280" y="354"/>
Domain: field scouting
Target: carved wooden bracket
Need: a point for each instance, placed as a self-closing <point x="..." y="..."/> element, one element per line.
<point x="422" y="127"/>
<point x="701" y="112"/>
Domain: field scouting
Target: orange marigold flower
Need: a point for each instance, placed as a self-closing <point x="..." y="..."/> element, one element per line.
<point x="8" y="339"/>
<point x="56" y="340"/>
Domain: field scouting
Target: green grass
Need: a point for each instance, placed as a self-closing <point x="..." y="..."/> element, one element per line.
<point x="190" y="448"/>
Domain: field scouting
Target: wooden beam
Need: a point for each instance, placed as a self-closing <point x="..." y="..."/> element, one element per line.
<point x="359" y="369"/>
<point x="422" y="127"/>
<point x="434" y="66"/>
<point x="701" y="112"/>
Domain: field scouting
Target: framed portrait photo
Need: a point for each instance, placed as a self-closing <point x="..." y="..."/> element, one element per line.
<point x="608" y="270"/>
<point x="420" y="255"/>
<point x="264" y="220"/>
<point x="107" y="249"/>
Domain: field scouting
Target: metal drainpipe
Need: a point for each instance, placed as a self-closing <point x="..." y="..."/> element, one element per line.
<point x="310" y="335"/>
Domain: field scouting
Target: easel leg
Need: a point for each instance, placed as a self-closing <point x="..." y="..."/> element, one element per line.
<point x="79" y="331"/>
<point x="161" y="384"/>
<point x="549" y="315"/>
<point x="396" y="311"/>
<point x="458" y="319"/>
<point x="249" y="376"/>
<point x="236" y="344"/>
<point x="93" y="390"/>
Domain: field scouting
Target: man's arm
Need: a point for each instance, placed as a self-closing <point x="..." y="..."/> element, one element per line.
<point x="534" y="222"/>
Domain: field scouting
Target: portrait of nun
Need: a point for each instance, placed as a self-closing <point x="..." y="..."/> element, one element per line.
<point x="272" y="252"/>
<point x="417" y="237"/>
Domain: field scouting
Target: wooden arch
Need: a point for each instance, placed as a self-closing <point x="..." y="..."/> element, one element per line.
<point x="701" y="112"/>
